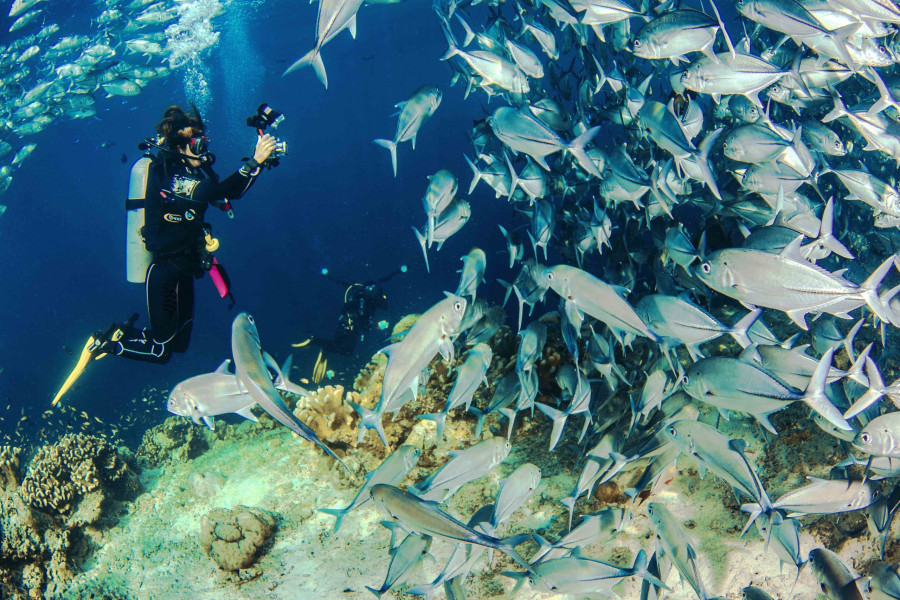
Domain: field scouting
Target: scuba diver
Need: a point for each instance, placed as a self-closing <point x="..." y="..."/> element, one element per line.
<point x="169" y="194"/>
<point x="361" y="300"/>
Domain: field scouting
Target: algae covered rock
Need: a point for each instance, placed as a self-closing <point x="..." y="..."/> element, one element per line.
<point x="176" y="439"/>
<point x="233" y="538"/>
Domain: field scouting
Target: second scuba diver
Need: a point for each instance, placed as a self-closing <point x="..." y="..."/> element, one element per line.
<point x="179" y="185"/>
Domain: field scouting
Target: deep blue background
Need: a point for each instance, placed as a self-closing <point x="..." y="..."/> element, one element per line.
<point x="332" y="203"/>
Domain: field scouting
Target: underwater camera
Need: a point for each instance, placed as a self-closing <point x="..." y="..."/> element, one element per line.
<point x="266" y="116"/>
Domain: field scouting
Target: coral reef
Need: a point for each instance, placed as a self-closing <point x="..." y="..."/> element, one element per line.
<point x="404" y="324"/>
<point x="233" y="538"/>
<point x="328" y="413"/>
<point x="9" y="467"/>
<point x="76" y="465"/>
<point x="68" y="495"/>
<point x="176" y="439"/>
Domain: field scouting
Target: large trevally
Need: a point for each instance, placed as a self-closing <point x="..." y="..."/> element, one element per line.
<point x="334" y="17"/>
<point x="392" y="471"/>
<point x="469" y="376"/>
<point x="585" y="294"/>
<point x="433" y="333"/>
<point x="523" y="132"/>
<point x="254" y="376"/>
<point x="735" y="384"/>
<point x="418" y="516"/>
<point x="204" y="397"/>
<point x="790" y="283"/>
<point x="413" y="114"/>
<point x="442" y="188"/>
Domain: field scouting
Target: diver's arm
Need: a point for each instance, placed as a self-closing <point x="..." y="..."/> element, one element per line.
<point x="236" y="185"/>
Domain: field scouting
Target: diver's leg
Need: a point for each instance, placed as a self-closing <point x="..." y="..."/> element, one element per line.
<point x="149" y="344"/>
<point x="184" y="313"/>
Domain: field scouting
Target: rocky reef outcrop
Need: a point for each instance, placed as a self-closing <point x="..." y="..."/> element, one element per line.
<point x="235" y="538"/>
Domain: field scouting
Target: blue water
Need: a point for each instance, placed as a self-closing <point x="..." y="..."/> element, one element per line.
<point x="333" y="203"/>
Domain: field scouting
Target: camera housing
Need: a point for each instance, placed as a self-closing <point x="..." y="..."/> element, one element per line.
<point x="265" y="117"/>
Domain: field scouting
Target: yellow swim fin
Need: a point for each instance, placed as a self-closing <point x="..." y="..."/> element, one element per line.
<point x="319" y="369"/>
<point x="92" y="351"/>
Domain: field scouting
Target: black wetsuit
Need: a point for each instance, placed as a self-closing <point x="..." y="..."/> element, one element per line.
<point x="355" y="318"/>
<point x="176" y="201"/>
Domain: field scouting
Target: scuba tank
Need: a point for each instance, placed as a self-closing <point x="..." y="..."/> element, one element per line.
<point x="137" y="258"/>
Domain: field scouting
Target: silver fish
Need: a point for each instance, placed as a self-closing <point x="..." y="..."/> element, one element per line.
<point x="253" y="374"/>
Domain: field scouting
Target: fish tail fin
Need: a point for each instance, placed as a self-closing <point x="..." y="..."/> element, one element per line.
<point x="839" y="110"/>
<point x="369" y="419"/>
<point x="470" y="35"/>
<point x="479" y="425"/>
<point x="886" y="99"/>
<point x="476" y="174"/>
<point x="521" y="302"/>
<point x="440" y="420"/>
<point x="722" y="29"/>
<point x="513" y="184"/>
<point x="869" y="290"/>
<point x="640" y="568"/>
<point x="313" y="59"/>
<point x="391" y="145"/>
<point x="740" y="329"/>
<point x="826" y="237"/>
<point x="576" y="148"/>
<point x="815" y="397"/>
<point x="569" y="502"/>
<point x="559" y="422"/>
<point x="508" y="547"/>
<point x="875" y="382"/>
<point x="423" y="242"/>
<point x="702" y="159"/>
<point x="338" y="513"/>
<point x="543" y="549"/>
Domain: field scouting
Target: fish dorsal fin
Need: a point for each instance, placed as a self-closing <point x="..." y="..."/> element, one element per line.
<point x="223" y="368"/>
<point x="210" y="422"/>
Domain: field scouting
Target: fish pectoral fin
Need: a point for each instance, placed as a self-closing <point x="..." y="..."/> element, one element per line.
<point x="247" y="413"/>
<point x="210" y="422"/>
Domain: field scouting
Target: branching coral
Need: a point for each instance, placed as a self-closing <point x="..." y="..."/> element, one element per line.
<point x="328" y="413"/>
<point x="74" y="466"/>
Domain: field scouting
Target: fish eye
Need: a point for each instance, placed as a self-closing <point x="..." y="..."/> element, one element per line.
<point x="650" y="510"/>
<point x="458" y="306"/>
<point x="685" y="380"/>
<point x="673" y="432"/>
<point x="882" y="49"/>
<point x="866" y="438"/>
<point x="706" y="268"/>
<point x="249" y="318"/>
<point x="637" y="43"/>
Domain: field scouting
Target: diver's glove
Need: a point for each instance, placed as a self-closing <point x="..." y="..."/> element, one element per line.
<point x="250" y="168"/>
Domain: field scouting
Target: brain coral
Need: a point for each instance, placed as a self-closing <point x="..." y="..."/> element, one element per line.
<point x="233" y="538"/>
